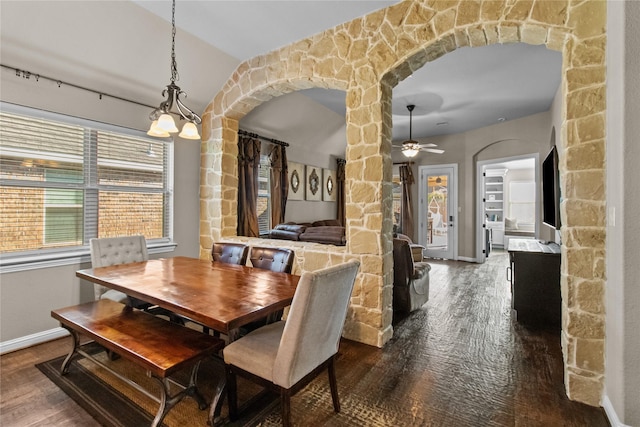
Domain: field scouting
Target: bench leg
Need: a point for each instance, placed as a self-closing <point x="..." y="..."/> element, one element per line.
<point x="167" y="401"/>
<point x="64" y="369"/>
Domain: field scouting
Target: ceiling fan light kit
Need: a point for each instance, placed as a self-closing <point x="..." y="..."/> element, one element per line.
<point x="411" y="148"/>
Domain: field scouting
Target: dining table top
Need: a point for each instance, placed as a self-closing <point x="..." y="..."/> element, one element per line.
<point x="221" y="296"/>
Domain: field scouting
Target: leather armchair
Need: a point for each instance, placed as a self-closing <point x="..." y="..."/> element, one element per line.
<point x="273" y="259"/>
<point x="230" y="253"/>
<point x="410" y="280"/>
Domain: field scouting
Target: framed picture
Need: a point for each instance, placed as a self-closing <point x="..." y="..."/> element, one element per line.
<point x="314" y="183"/>
<point x="329" y="185"/>
<point x="296" y="181"/>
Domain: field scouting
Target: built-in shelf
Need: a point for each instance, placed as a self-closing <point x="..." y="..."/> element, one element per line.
<point x="494" y="204"/>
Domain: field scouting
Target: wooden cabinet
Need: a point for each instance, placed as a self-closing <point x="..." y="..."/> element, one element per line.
<point x="535" y="283"/>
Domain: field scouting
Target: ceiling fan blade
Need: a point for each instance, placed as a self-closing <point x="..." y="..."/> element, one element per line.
<point x="433" y="150"/>
<point x="428" y="145"/>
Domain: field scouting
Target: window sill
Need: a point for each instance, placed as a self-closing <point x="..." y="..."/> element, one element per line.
<point x="15" y="264"/>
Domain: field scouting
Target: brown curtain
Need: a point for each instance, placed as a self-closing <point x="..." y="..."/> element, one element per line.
<point x="406" y="217"/>
<point x="340" y="191"/>
<point x="279" y="184"/>
<point x="248" y="164"/>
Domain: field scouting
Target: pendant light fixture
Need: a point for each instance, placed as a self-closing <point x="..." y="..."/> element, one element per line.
<point x="162" y="124"/>
<point x="410" y="148"/>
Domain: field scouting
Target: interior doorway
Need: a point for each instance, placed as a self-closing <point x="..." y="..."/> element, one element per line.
<point x="508" y="202"/>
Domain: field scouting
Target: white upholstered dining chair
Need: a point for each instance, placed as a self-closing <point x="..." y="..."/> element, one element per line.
<point x="109" y="251"/>
<point x="287" y="355"/>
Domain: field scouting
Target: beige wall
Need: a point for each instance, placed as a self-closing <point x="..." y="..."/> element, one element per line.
<point x="623" y="202"/>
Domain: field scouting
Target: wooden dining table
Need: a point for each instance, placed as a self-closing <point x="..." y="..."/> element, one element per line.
<point x="221" y="296"/>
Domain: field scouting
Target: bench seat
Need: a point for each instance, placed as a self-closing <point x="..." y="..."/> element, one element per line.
<point x="157" y="345"/>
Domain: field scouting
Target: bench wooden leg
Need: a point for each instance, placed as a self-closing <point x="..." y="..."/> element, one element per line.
<point x="64" y="369"/>
<point x="167" y="401"/>
<point x="216" y="403"/>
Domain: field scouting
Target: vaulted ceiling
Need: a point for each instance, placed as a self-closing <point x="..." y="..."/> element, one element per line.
<point x="127" y="53"/>
<point x="467" y="89"/>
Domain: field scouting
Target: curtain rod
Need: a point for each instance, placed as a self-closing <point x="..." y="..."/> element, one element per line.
<point x="255" y="135"/>
<point x="403" y="163"/>
<point x="28" y="74"/>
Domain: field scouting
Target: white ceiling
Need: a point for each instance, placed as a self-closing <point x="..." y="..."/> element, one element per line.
<point x="467" y="89"/>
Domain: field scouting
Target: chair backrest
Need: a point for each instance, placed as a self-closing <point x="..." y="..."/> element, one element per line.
<point x="402" y="262"/>
<point x="274" y="259"/>
<point x="313" y="328"/>
<point x="108" y="251"/>
<point x="230" y="253"/>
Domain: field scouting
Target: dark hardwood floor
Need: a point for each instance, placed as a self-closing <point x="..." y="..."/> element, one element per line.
<point x="459" y="361"/>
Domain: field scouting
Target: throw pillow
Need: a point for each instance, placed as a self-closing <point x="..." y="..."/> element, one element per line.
<point x="511" y="223"/>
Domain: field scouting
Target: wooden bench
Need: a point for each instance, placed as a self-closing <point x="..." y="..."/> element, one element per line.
<point x="157" y="345"/>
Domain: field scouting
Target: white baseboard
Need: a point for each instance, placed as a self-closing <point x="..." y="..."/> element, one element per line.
<point x="611" y="413"/>
<point x="466" y="259"/>
<point x="33" y="339"/>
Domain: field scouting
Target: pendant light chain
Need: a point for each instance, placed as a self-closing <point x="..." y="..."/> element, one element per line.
<point x="174" y="64"/>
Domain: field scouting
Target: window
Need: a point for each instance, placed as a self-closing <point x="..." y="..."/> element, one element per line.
<point x="522" y="201"/>
<point x="397" y="203"/>
<point x="263" y="205"/>
<point x="64" y="181"/>
<point x="62" y="210"/>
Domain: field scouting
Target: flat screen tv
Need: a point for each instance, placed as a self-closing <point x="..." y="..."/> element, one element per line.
<point x="551" y="190"/>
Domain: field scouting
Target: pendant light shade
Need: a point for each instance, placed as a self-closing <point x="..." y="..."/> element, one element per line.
<point x="154" y="130"/>
<point x="189" y="131"/>
<point x="166" y="123"/>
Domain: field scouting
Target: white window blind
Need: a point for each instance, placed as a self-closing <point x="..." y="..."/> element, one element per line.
<point x="522" y="201"/>
<point x="64" y="181"/>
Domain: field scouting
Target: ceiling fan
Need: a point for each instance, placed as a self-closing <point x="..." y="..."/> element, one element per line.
<point x="411" y="148"/>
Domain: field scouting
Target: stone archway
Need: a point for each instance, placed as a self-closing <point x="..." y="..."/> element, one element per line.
<point x="367" y="57"/>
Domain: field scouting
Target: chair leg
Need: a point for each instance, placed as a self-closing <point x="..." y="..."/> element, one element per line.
<point x="334" y="385"/>
<point x="232" y="393"/>
<point x="285" y="397"/>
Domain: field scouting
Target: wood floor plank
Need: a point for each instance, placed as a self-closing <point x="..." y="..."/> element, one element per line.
<point x="461" y="360"/>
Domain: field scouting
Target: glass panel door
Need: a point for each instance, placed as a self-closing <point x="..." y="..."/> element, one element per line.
<point x="437" y="211"/>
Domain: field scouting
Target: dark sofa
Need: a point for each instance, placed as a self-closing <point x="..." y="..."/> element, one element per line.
<point x="328" y="231"/>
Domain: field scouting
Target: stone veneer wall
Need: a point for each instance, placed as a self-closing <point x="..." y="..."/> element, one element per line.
<point x="367" y="57"/>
